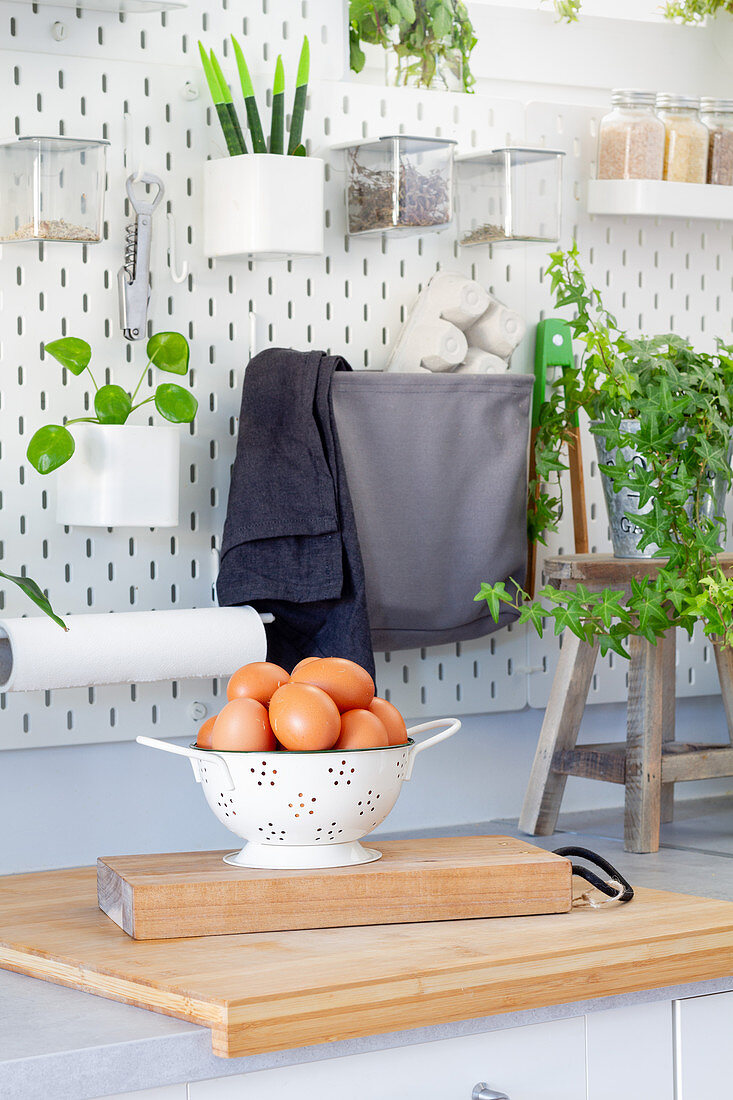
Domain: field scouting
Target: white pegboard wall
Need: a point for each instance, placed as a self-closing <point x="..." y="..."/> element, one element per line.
<point x="351" y="300"/>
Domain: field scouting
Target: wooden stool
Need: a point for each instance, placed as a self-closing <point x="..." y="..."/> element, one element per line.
<point x="651" y="761"/>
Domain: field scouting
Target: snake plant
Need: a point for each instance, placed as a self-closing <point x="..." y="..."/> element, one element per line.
<point x="227" y="113"/>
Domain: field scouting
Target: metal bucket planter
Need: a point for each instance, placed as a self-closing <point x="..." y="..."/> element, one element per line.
<point x="623" y="505"/>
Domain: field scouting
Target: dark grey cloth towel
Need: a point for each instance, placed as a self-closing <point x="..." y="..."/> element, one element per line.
<point x="290" y="544"/>
<point x="437" y="469"/>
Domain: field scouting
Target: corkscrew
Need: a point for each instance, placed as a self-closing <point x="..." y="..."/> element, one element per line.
<point x="134" y="276"/>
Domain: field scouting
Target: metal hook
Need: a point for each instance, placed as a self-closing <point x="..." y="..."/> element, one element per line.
<point x="138" y="172"/>
<point x="172" y="262"/>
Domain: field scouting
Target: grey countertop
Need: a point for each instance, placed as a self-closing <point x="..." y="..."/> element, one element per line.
<point x="73" y="1046"/>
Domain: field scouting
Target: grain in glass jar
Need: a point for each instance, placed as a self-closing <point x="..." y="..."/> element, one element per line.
<point x="686" y="138"/>
<point x="631" y="138"/>
<point x="717" y="114"/>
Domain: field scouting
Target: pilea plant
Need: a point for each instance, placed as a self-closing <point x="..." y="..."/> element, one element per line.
<point x="227" y="112"/>
<point x="422" y="34"/>
<point x="680" y="401"/>
<point x="53" y="445"/>
<point x="688" y="11"/>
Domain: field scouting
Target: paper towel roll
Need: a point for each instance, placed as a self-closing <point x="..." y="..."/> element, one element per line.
<point x="131" y="647"/>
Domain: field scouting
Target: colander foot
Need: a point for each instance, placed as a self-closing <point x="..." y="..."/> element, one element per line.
<point x="300" y="857"/>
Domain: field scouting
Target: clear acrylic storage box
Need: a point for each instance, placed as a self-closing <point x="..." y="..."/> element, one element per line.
<point x="52" y="189"/>
<point x="511" y="194"/>
<point x="399" y="185"/>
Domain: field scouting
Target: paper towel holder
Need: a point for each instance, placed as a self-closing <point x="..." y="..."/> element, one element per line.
<point x="7" y="658"/>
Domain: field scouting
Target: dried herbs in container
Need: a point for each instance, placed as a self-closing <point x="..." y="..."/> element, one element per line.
<point x="399" y="184"/>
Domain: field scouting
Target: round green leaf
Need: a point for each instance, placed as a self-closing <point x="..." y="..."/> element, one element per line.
<point x="175" y="404"/>
<point x="50" y="447"/>
<point x="169" y="352"/>
<point x="72" y="353"/>
<point x="112" y="405"/>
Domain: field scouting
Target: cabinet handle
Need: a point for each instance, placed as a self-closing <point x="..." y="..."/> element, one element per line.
<point x="481" y="1091"/>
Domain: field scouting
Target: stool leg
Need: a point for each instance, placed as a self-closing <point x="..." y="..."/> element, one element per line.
<point x="644" y="728"/>
<point x="724" y="661"/>
<point x="559" y="732"/>
<point x="669" y="642"/>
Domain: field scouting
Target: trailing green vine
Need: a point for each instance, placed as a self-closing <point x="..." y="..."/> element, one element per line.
<point x="688" y="11"/>
<point x="680" y="403"/>
<point x="421" y="33"/>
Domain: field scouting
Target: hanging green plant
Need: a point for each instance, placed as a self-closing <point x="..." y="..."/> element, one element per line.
<point x="423" y="36"/>
<point x="53" y="444"/>
<point x="688" y="11"/>
<point x="666" y="410"/>
<point x="35" y="593"/>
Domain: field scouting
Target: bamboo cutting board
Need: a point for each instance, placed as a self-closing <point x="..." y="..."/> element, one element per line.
<point x="278" y="990"/>
<point x="449" y="878"/>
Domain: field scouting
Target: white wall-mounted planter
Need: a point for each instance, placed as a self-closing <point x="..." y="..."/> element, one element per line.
<point x="120" y="475"/>
<point x="660" y="199"/>
<point x="264" y="205"/>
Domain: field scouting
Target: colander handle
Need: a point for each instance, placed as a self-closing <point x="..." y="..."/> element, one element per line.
<point x="194" y="755"/>
<point x="453" y="725"/>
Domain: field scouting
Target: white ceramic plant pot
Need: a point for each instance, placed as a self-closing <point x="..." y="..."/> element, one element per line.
<point x="264" y="205"/>
<point x="120" y="475"/>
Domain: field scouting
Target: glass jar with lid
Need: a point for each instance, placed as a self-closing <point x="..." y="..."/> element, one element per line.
<point x="686" y="138"/>
<point x="631" y="138"/>
<point x="717" y="114"/>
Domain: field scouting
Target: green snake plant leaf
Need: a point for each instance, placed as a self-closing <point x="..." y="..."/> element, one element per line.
<point x="227" y="103"/>
<point x="50" y="447"/>
<point x="301" y="94"/>
<point x="259" y="145"/>
<point x="175" y="404"/>
<point x="70" y="352"/>
<point x="277" y="126"/>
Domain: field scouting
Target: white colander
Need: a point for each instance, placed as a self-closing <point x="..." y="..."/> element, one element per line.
<point x="304" y="809"/>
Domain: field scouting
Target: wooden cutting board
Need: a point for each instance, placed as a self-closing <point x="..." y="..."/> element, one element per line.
<point x="278" y="990"/>
<point x="449" y="878"/>
<point x="272" y="991"/>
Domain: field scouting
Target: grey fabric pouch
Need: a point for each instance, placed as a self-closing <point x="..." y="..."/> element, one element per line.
<point x="437" y="472"/>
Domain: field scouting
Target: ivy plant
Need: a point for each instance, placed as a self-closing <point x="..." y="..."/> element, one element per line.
<point x="421" y="33"/>
<point x="688" y="11"/>
<point x="680" y="402"/>
<point x="53" y="444"/>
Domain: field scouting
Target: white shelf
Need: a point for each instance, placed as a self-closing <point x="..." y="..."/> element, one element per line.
<point x="660" y="199"/>
<point x="123" y="6"/>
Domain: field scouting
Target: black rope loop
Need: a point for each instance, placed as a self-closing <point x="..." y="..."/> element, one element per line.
<point x="606" y="888"/>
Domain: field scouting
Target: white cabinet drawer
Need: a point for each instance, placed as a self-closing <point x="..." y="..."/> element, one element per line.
<point x="538" y="1062"/>
<point x="704" y="1052"/>
<point x="633" y="1045"/>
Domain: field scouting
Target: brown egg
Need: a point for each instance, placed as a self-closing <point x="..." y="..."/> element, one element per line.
<point x="391" y="719"/>
<point x="304" y="662"/>
<point x="257" y="680"/>
<point x="360" y="729"/>
<point x="242" y="725"/>
<point x="304" y="717"/>
<point x="348" y="684"/>
<point x="203" y="739"/>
